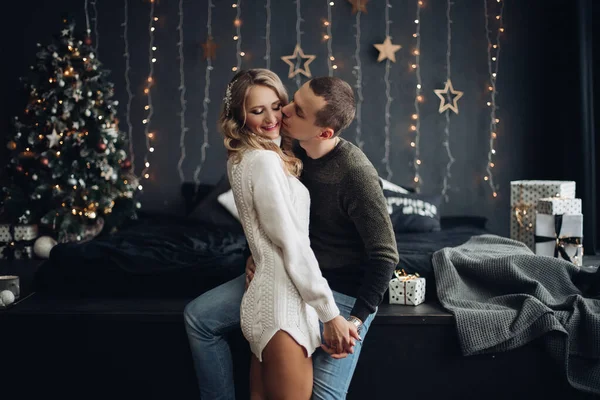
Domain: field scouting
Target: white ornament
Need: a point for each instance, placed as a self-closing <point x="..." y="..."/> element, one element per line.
<point x="61" y="83"/>
<point x="43" y="245"/>
<point x="89" y="94"/>
<point x="55" y="55"/>
<point x="54" y="138"/>
<point x="6" y="298"/>
<point x="88" y="113"/>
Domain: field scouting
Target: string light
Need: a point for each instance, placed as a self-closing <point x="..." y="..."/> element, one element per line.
<point x="128" y="85"/>
<point x="493" y="61"/>
<point x="388" y="103"/>
<point x="416" y="126"/>
<point x="358" y="73"/>
<point x="268" y="35"/>
<point x="298" y="40"/>
<point x="446" y="143"/>
<point x="87" y="19"/>
<point x="149" y="84"/>
<point x="95" y="21"/>
<point x="330" y="58"/>
<point x="182" y="90"/>
<point x="237" y="22"/>
<point x="206" y="102"/>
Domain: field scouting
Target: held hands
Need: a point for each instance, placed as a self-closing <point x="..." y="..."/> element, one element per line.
<point x="250" y="269"/>
<point x="339" y="334"/>
<point x="340" y="337"/>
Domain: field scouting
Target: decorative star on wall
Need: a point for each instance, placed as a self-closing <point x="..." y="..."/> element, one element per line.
<point x="291" y="61"/>
<point x="387" y="50"/>
<point x="358" y="5"/>
<point x="444" y="93"/>
<point x="210" y="48"/>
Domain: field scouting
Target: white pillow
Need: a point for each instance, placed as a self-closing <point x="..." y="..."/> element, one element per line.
<point x="387" y="185"/>
<point x="226" y="200"/>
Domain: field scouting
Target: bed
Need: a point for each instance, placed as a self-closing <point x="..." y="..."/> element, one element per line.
<point x="182" y="256"/>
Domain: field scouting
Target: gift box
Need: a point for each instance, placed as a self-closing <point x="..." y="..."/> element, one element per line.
<point x="560" y="236"/>
<point x="407" y="289"/>
<point x="16" y="241"/>
<point x="558" y="205"/>
<point x="524" y="198"/>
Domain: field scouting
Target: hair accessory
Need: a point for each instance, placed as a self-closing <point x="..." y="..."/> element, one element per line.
<point x="227" y="98"/>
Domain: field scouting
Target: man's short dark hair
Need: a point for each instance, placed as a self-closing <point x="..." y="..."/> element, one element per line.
<point x="340" y="109"/>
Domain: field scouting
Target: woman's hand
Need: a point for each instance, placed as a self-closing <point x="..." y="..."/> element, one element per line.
<point x="250" y="269"/>
<point x="340" y="337"/>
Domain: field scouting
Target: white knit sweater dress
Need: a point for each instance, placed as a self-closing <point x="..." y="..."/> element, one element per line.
<point x="288" y="291"/>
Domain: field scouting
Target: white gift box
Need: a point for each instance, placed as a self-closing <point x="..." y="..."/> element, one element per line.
<point x="407" y="290"/>
<point x="558" y="205"/>
<point x="19" y="233"/>
<point x="524" y="197"/>
<point x="24" y="253"/>
<point x="569" y="237"/>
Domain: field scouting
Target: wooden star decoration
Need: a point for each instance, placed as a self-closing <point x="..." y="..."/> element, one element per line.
<point x="291" y="61"/>
<point x="443" y="94"/>
<point x="387" y="50"/>
<point x="210" y="48"/>
<point x="358" y="5"/>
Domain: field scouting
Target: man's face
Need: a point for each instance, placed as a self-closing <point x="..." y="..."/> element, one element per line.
<point x="299" y="115"/>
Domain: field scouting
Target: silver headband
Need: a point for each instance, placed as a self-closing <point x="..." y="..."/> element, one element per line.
<point x="227" y="98"/>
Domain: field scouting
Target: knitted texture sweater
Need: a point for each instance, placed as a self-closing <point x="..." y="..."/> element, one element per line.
<point x="288" y="291"/>
<point x="350" y="231"/>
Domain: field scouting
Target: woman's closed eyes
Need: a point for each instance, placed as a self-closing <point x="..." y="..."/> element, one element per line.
<point x="260" y="111"/>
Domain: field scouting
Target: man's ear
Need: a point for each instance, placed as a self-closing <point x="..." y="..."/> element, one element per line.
<point x="326" y="133"/>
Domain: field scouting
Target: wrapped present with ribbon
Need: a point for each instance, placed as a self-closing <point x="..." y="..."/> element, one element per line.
<point x="16" y="241"/>
<point x="407" y="289"/>
<point x="524" y="198"/>
<point x="560" y="236"/>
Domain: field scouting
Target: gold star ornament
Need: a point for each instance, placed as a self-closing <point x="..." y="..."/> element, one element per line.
<point x="444" y="93"/>
<point x="210" y="48"/>
<point x="387" y="50"/>
<point x="358" y="5"/>
<point x="291" y="61"/>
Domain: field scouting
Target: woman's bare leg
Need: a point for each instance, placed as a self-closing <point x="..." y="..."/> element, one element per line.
<point x="257" y="391"/>
<point x="286" y="370"/>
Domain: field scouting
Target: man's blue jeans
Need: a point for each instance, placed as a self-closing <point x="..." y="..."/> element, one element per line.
<point x="211" y="316"/>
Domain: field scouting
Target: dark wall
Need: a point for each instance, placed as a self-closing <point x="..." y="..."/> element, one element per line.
<point x="538" y="85"/>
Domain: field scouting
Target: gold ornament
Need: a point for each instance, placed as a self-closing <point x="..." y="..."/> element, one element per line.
<point x="210" y="48"/>
<point x="358" y="5"/>
<point x="291" y="61"/>
<point x="11" y="145"/>
<point x="387" y="50"/>
<point x="443" y="95"/>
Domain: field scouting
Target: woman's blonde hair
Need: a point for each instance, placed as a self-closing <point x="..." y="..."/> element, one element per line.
<point x="232" y="122"/>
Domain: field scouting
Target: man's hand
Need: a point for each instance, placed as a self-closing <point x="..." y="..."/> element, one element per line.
<point x="250" y="269"/>
<point x="340" y="337"/>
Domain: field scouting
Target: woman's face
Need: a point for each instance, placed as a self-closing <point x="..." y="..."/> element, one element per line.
<point x="263" y="111"/>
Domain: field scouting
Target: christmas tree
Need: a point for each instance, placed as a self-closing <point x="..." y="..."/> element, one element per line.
<point x="69" y="168"/>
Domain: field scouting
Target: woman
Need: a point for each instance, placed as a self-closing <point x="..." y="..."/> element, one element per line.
<point x="281" y="308"/>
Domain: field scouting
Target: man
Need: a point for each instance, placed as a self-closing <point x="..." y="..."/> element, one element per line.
<point x="351" y="235"/>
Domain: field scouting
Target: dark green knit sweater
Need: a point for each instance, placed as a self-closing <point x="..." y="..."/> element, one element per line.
<point x="350" y="229"/>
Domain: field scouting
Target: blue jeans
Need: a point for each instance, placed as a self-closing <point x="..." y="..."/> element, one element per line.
<point x="211" y="316"/>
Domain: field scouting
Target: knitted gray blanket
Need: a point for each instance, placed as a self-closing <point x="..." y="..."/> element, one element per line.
<point x="503" y="296"/>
